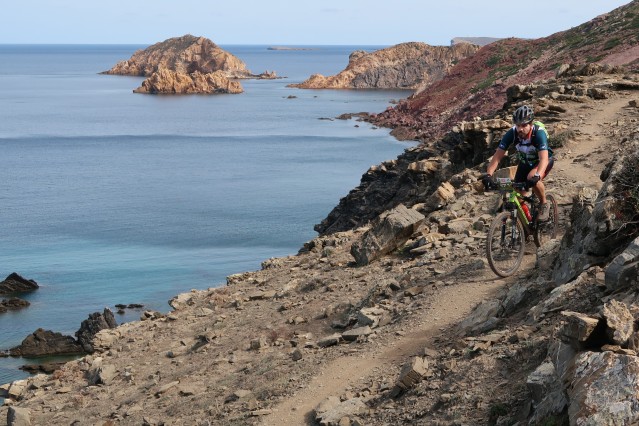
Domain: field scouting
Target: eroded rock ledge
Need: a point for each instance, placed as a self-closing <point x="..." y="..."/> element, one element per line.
<point x="403" y="66"/>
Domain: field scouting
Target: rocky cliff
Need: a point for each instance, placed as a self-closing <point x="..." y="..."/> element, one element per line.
<point x="183" y="55"/>
<point x="404" y="66"/>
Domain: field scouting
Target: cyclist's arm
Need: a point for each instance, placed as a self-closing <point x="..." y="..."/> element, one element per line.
<point x="505" y="142"/>
<point x="494" y="162"/>
<point x="543" y="162"/>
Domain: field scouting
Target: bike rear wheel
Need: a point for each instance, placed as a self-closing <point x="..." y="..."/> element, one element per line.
<point x="547" y="230"/>
<point x="505" y="244"/>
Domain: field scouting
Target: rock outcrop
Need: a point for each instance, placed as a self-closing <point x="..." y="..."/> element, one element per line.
<point x="601" y="227"/>
<point x="14" y="283"/>
<point x="183" y="55"/>
<point x="42" y="342"/>
<point x="165" y="81"/>
<point x="389" y="231"/>
<point x="12" y="304"/>
<point x="91" y="326"/>
<point x="404" y="66"/>
<point x="46" y="342"/>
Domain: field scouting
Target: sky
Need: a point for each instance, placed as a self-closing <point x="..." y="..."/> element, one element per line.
<point x="288" y="22"/>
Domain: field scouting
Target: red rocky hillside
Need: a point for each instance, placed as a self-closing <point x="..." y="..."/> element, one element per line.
<point x="477" y="85"/>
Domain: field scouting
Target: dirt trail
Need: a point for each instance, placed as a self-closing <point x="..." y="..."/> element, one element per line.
<point x="450" y="304"/>
<point x="448" y="307"/>
<point x="578" y="164"/>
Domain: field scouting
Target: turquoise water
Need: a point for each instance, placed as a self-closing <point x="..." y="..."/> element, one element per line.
<point x="113" y="197"/>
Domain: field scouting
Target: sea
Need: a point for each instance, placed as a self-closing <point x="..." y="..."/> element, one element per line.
<point x="109" y="197"/>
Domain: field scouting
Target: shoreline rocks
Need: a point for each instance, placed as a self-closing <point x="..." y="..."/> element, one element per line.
<point x="42" y="343"/>
<point x="14" y="283"/>
<point x="12" y="304"/>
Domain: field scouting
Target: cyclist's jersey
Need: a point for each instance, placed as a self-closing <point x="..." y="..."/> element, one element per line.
<point x="528" y="149"/>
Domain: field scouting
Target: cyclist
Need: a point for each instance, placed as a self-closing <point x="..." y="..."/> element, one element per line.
<point x="535" y="156"/>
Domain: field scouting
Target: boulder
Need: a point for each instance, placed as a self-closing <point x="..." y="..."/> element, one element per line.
<point x="46" y="342"/>
<point x="17" y="416"/>
<point x="624" y="268"/>
<point x="11" y="304"/>
<point x="14" y="283"/>
<point x="332" y="411"/>
<point x="412" y="373"/>
<point x="579" y="329"/>
<point x="484" y="317"/>
<point x="603" y="389"/>
<point x="619" y="322"/>
<point x="90" y="327"/>
<point x="389" y="231"/>
<point x="99" y="373"/>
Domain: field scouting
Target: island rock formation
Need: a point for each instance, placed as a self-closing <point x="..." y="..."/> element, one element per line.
<point x="403" y="66"/>
<point x="187" y="64"/>
<point x="171" y="82"/>
<point x="184" y="55"/>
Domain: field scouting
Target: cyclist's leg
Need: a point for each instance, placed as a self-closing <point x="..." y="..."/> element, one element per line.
<point x="540" y="188"/>
<point x="523" y="170"/>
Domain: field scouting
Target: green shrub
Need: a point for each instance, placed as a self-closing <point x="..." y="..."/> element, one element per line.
<point x="558" y="140"/>
<point x="611" y="43"/>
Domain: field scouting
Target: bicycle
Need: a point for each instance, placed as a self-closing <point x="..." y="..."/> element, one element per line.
<point x="511" y="228"/>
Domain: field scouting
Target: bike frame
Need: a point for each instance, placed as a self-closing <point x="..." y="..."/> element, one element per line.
<point x="512" y="197"/>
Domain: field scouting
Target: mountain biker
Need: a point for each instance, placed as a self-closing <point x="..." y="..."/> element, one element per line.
<point x="535" y="156"/>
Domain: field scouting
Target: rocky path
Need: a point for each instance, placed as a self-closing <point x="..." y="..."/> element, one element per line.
<point x="581" y="164"/>
<point x="587" y="155"/>
<point x="450" y="305"/>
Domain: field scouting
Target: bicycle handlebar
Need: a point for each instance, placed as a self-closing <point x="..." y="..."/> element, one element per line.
<point x="503" y="185"/>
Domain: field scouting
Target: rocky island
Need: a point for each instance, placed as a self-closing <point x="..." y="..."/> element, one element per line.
<point x="391" y="315"/>
<point x="187" y="64"/>
<point x="404" y="66"/>
<point x="171" y="82"/>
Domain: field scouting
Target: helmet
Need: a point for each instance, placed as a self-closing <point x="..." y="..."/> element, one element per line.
<point x="523" y="115"/>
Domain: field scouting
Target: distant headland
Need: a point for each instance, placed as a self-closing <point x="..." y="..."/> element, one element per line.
<point x="290" y="48"/>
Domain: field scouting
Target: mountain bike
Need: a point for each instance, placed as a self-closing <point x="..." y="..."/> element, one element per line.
<point x="511" y="228"/>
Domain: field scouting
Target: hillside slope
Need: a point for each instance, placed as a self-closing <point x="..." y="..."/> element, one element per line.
<point x="492" y="82"/>
<point x="476" y="87"/>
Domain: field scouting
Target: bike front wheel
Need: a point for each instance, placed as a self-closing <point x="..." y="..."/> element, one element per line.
<point x="547" y="230"/>
<point x="505" y="244"/>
